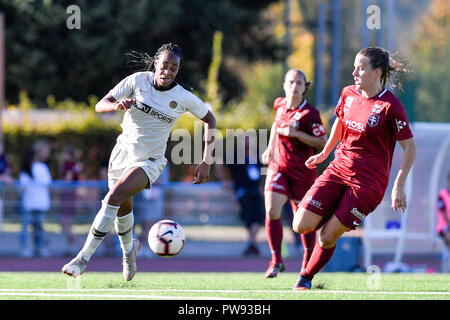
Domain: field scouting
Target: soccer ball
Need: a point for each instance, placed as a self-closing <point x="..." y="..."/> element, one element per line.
<point x="166" y="238"/>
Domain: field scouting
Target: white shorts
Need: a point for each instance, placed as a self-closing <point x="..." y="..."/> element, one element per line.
<point x="119" y="164"/>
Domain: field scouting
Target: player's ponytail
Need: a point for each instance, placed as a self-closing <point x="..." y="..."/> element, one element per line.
<point x="391" y="69"/>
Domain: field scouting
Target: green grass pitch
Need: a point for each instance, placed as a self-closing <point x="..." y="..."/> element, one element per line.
<point x="218" y="286"/>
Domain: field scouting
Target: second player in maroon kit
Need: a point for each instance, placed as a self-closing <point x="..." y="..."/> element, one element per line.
<point x="370" y="120"/>
<point x="296" y="133"/>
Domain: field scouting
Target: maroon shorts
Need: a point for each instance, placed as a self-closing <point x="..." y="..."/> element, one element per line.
<point x="281" y="182"/>
<point x="350" y="204"/>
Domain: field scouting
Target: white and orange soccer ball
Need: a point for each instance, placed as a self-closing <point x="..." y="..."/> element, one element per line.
<point x="166" y="238"/>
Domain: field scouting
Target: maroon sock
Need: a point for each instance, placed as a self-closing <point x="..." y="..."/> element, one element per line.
<point x="308" y="242"/>
<point x="274" y="231"/>
<point x="319" y="258"/>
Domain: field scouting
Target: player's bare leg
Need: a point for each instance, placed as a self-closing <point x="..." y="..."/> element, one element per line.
<point x="322" y="253"/>
<point x="132" y="182"/>
<point x="308" y="239"/>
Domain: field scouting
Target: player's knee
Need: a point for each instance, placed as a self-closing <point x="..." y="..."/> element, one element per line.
<point x="301" y="228"/>
<point x="273" y="213"/>
<point x="327" y="240"/>
<point x="116" y="197"/>
<point x="300" y="225"/>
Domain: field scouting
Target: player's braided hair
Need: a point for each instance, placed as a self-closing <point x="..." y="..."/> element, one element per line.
<point x="390" y="68"/>
<point x="148" y="62"/>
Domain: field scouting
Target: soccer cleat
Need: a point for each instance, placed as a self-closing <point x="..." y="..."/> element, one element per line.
<point x="129" y="261"/>
<point x="75" y="267"/>
<point x="274" y="268"/>
<point x="302" y="284"/>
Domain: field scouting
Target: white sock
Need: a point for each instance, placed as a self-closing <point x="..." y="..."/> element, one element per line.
<point x="102" y="224"/>
<point x="124" y="228"/>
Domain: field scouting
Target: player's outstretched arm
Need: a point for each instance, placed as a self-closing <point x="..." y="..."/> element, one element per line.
<point x="108" y="103"/>
<point x="201" y="172"/>
<point x="398" y="195"/>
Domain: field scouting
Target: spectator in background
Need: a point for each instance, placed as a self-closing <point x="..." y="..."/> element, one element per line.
<point x="246" y="176"/>
<point x="443" y="210"/>
<point x="34" y="180"/>
<point x="149" y="208"/>
<point x="70" y="171"/>
<point x="5" y="177"/>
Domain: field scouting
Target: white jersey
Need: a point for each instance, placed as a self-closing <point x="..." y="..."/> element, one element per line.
<point x="36" y="192"/>
<point x="147" y="124"/>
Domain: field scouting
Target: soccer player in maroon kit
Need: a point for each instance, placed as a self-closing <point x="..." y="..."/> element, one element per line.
<point x="370" y="119"/>
<point x="296" y="133"/>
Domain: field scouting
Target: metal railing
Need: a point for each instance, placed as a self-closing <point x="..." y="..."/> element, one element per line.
<point x="79" y="202"/>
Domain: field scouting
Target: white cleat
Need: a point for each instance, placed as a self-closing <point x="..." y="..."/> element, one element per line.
<point x="129" y="261"/>
<point x="75" y="267"/>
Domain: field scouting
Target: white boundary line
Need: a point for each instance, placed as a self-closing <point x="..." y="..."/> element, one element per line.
<point x="43" y="291"/>
<point x="113" y="296"/>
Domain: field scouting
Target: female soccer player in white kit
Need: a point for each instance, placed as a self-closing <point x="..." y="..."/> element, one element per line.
<point x="153" y="101"/>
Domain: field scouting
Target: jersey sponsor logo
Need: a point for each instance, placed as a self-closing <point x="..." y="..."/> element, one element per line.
<point x="373" y="120"/>
<point x="357" y="214"/>
<point x="377" y="108"/>
<point x="355" y="125"/>
<point x="348" y="103"/>
<point x="280" y="112"/>
<point x="400" y="124"/>
<point x="173" y="104"/>
<point x="318" y="129"/>
<point x="313" y="202"/>
<point x="277" y="186"/>
<point x="153" y="112"/>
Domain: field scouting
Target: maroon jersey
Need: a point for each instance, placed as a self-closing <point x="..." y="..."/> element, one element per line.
<point x="370" y="129"/>
<point x="290" y="153"/>
<point x="71" y="166"/>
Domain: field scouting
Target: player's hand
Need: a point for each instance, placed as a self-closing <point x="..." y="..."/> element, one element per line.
<point x="398" y="197"/>
<point x="314" y="160"/>
<point x="288" y="130"/>
<point x="266" y="155"/>
<point x="201" y="173"/>
<point x="124" y="104"/>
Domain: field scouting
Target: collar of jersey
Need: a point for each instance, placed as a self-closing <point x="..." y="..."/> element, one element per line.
<point x="300" y="107"/>
<point x="378" y="95"/>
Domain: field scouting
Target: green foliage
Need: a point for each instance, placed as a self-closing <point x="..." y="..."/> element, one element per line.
<point x="68" y="123"/>
<point x="212" y="85"/>
<point x="431" y="64"/>
<point x="44" y="57"/>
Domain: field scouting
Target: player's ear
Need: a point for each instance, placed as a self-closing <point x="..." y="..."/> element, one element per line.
<point x="379" y="72"/>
